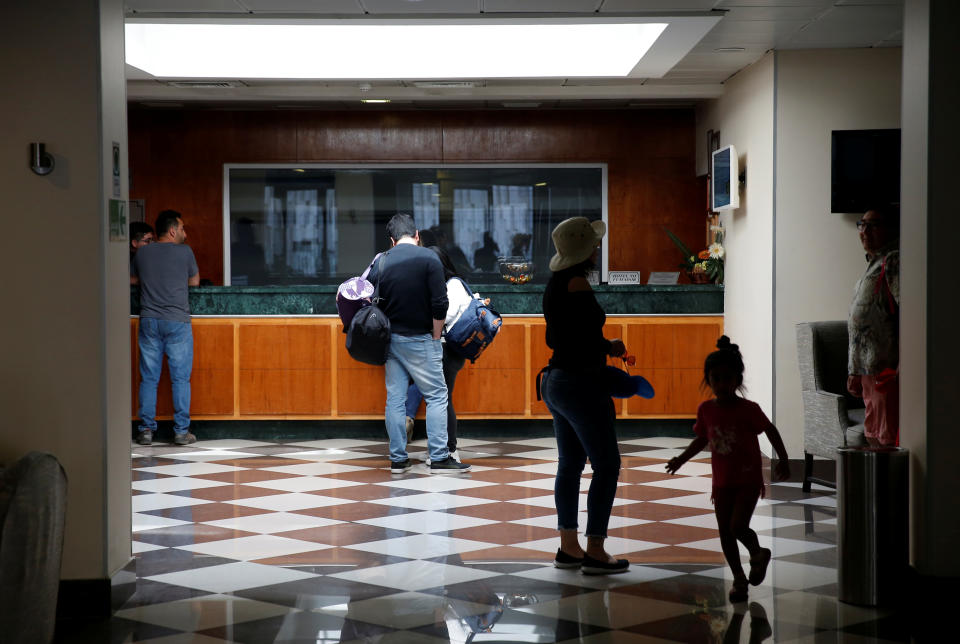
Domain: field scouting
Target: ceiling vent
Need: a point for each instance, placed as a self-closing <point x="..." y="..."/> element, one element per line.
<point x="206" y="84"/>
<point x="447" y="84"/>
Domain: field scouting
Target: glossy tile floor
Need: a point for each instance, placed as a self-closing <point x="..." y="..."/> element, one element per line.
<point x="242" y="541"/>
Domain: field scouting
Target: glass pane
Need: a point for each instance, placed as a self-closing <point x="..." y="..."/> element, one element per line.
<point x="310" y="225"/>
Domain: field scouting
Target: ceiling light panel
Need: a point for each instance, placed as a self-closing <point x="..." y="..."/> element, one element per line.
<point x="438" y="49"/>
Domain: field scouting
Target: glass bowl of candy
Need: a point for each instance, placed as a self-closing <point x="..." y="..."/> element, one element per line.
<point x="516" y="270"/>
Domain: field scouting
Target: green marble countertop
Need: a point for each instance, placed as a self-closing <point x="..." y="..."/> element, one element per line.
<point x="522" y="299"/>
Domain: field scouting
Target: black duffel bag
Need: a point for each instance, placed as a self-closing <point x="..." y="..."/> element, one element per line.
<point x="368" y="338"/>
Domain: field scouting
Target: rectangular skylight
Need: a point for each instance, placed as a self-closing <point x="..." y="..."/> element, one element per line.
<point x="353" y="50"/>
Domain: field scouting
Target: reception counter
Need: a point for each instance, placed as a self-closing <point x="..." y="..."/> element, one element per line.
<point x="272" y="353"/>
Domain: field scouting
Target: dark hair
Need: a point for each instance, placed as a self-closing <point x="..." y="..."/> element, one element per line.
<point x="427" y="238"/>
<point x="577" y="270"/>
<point x="449" y="271"/>
<point x="401" y="225"/>
<point x="166" y="220"/>
<point x="726" y="355"/>
<point x="138" y="229"/>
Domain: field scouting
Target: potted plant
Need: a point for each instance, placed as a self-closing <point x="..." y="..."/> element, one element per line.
<point x="707" y="265"/>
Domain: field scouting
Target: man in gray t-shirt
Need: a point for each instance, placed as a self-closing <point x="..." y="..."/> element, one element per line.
<point x="164" y="270"/>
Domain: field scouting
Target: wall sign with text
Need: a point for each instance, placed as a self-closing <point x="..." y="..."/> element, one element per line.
<point x="623" y="277"/>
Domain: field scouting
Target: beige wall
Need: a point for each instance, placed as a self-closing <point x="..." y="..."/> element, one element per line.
<point x="64" y="377"/>
<point x="744" y="117"/>
<point x="818" y="257"/>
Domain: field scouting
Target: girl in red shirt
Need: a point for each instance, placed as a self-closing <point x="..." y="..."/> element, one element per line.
<point x="730" y="424"/>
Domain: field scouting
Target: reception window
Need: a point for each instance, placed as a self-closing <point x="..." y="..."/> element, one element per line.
<point x="310" y="224"/>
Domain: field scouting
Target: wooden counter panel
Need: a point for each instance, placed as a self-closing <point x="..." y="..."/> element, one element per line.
<point x="284" y="392"/>
<point x="211" y="378"/>
<point x="360" y="387"/>
<point x="284" y="345"/>
<point x="300" y="368"/>
<point x="489" y="392"/>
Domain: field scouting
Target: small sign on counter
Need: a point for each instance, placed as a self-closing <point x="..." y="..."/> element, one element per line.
<point x="623" y="277"/>
<point x="664" y="278"/>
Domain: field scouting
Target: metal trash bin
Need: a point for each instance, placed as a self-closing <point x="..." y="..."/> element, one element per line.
<point x="872" y="523"/>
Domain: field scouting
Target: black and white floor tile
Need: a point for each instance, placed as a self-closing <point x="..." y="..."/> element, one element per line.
<point x="246" y="542"/>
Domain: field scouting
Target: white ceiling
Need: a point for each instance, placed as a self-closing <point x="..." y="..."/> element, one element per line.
<point x="756" y="26"/>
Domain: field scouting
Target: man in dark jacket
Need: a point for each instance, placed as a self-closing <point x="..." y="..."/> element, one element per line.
<point x="414" y="298"/>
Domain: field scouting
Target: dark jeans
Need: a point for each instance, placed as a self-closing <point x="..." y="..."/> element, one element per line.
<point x="452" y="364"/>
<point x="583" y="420"/>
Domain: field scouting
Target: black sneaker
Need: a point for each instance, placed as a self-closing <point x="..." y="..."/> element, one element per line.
<point x="591" y="566"/>
<point x="399" y="467"/>
<point x="145" y="437"/>
<point x="449" y="465"/>
<point x="185" y="438"/>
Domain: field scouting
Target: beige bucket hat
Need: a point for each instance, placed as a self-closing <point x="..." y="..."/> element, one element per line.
<point x="575" y="240"/>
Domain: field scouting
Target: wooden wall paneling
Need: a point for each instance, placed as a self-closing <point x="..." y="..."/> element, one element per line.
<point x="177" y="157"/>
<point x="369" y="136"/>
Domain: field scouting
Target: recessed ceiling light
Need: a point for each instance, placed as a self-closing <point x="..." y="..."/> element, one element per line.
<point x="541" y="184"/>
<point x="374" y="100"/>
<point x="729" y="50"/>
<point x="395" y="49"/>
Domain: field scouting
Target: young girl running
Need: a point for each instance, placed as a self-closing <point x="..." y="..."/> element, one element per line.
<point x="730" y="424"/>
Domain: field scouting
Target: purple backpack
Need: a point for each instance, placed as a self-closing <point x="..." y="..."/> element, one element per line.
<point x="353" y="295"/>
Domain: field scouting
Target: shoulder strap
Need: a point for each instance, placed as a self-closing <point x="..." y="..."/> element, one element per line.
<point x="376" y="287"/>
<point x="465" y="285"/>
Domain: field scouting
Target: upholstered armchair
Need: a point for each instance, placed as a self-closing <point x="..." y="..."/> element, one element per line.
<point x="33" y="501"/>
<point x="832" y="418"/>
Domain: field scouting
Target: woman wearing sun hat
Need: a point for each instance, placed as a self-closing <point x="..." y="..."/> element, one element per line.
<point x="574" y="391"/>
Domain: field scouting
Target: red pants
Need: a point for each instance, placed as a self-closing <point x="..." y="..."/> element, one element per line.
<point x="881" y="397"/>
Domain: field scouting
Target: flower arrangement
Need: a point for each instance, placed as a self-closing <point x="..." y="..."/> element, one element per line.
<point x="707" y="265"/>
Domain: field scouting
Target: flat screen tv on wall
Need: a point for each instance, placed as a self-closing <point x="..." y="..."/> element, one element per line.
<point x="864" y="169"/>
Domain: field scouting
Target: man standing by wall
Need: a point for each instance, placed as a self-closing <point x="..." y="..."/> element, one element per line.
<point x="164" y="270"/>
<point x="874" y="327"/>
<point x="141" y="234"/>
<point x="414" y="298"/>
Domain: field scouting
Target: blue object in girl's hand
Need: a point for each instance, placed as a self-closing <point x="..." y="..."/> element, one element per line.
<point x="621" y="384"/>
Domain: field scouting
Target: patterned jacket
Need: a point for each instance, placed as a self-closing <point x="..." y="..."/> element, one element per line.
<point x="874" y="322"/>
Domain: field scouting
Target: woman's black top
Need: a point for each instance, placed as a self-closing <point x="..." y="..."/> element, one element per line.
<point x="574" y="326"/>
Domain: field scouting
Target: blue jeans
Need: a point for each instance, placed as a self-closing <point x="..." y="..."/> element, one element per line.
<point x="419" y="357"/>
<point x="583" y="420"/>
<point x="414" y="398"/>
<point x="158" y="337"/>
<point x="452" y="364"/>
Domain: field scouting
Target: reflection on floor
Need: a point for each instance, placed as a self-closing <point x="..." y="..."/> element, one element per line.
<point x="242" y="541"/>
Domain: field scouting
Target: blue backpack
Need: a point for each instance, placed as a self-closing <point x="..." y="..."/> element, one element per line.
<point x="475" y="330"/>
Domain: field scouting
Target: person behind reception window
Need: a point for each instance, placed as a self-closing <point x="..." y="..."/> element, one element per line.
<point x="164" y="270"/>
<point x="485" y="257"/>
<point x="873" y="358"/>
<point x="575" y="394"/>
<point x="413" y="296"/>
<point x="141" y="234"/>
<point x="730" y="424"/>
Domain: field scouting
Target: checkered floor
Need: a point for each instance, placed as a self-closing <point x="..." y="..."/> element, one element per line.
<point x="243" y="541"/>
